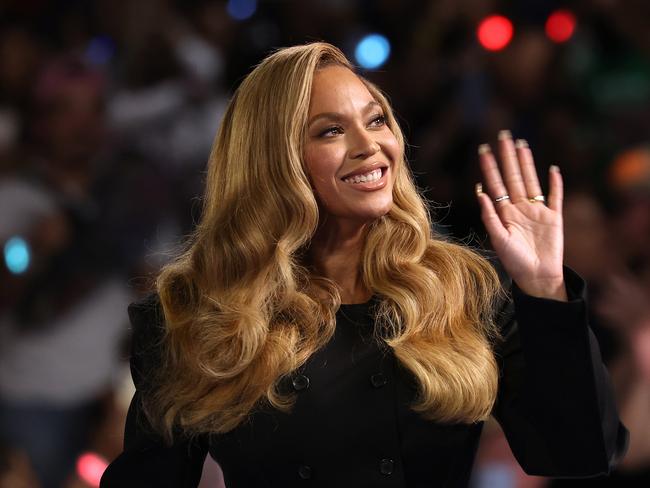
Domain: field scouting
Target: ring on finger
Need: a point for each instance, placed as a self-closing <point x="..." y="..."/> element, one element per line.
<point x="537" y="198"/>
<point x="502" y="198"/>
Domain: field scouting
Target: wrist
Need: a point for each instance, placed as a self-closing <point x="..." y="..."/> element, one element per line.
<point x="553" y="290"/>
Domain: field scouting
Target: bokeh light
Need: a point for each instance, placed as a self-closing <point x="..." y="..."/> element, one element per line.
<point x="17" y="255"/>
<point x="560" y="25"/>
<point x="631" y="170"/>
<point x="90" y="468"/>
<point x="495" y="32"/>
<point x="372" y="51"/>
<point x="100" y="50"/>
<point x="241" y="9"/>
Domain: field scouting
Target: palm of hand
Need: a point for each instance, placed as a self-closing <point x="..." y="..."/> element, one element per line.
<point x="533" y="244"/>
<point x="526" y="235"/>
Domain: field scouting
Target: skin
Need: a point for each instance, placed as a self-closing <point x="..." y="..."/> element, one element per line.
<point x="346" y="131"/>
<point x="527" y="236"/>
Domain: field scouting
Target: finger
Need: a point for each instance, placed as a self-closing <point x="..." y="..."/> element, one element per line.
<point x="489" y="216"/>
<point x="556" y="189"/>
<point x="510" y="164"/>
<point x="528" y="170"/>
<point x="491" y="174"/>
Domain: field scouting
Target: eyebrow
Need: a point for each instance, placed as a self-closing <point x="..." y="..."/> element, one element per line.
<point x="337" y="116"/>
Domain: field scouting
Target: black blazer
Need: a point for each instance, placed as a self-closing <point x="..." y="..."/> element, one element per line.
<point x="352" y="425"/>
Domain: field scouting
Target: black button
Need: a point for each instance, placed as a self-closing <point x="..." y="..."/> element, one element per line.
<point x="378" y="380"/>
<point x="305" y="472"/>
<point x="386" y="466"/>
<point x="300" y="382"/>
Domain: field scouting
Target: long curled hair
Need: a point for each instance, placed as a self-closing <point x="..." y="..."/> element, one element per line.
<point x="242" y="307"/>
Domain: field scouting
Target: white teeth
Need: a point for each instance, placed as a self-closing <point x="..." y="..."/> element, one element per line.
<point x="367" y="178"/>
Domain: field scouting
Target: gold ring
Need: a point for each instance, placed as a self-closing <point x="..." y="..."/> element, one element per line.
<point x="502" y="198"/>
<point x="537" y="198"/>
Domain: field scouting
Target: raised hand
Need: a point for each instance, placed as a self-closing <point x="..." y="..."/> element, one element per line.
<point x="526" y="234"/>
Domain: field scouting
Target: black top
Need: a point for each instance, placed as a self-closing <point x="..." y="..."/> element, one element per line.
<point x="352" y="425"/>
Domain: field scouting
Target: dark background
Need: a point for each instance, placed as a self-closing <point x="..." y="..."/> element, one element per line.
<point x="108" y="109"/>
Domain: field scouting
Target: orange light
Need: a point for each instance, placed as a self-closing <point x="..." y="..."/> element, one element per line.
<point x="91" y="467"/>
<point x="495" y="32"/>
<point x="560" y="26"/>
<point x="631" y="169"/>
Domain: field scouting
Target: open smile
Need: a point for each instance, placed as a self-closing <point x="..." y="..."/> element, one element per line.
<point x="372" y="180"/>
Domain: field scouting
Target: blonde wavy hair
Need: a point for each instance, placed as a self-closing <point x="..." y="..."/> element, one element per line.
<point x="243" y="309"/>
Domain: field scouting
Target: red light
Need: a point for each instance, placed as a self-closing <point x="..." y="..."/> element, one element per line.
<point x="560" y="25"/>
<point x="495" y="32"/>
<point x="90" y="468"/>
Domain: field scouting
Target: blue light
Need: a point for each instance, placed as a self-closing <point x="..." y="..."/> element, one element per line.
<point x="100" y="50"/>
<point x="241" y="9"/>
<point x="17" y="255"/>
<point x="372" y="51"/>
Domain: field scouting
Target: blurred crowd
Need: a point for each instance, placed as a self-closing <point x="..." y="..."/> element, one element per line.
<point x="108" y="109"/>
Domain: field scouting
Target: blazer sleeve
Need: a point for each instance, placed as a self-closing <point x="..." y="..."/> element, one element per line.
<point x="555" y="402"/>
<point x="147" y="461"/>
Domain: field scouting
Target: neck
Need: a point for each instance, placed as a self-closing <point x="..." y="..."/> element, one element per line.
<point x="335" y="252"/>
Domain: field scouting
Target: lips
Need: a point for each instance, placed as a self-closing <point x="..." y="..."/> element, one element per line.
<point x="367" y="168"/>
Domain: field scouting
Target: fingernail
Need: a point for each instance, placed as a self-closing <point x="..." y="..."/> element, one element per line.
<point x="521" y="144"/>
<point x="504" y="135"/>
<point x="555" y="168"/>
<point x="478" y="188"/>
<point x="484" y="149"/>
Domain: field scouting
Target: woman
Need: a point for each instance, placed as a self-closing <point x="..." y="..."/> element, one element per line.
<point x="315" y="332"/>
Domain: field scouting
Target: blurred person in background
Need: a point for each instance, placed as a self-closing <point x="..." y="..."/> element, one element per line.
<point x="20" y="55"/>
<point x="167" y="100"/>
<point x="624" y="303"/>
<point x="59" y="330"/>
<point x="15" y="469"/>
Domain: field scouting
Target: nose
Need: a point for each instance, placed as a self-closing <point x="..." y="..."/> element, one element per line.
<point x="363" y="145"/>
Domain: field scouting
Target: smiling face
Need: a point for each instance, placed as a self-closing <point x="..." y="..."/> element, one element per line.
<point x="350" y="152"/>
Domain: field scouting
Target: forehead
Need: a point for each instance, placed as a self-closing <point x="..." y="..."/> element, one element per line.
<point x="337" y="88"/>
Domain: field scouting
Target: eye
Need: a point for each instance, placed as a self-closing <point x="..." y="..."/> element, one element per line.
<point x="378" y="121"/>
<point x="331" y="131"/>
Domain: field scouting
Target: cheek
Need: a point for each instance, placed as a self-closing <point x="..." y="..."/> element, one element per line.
<point x="393" y="152"/>
<point x="321" y="170"/>
<point x="321" y="164"/>
<point x="392" y="147"/>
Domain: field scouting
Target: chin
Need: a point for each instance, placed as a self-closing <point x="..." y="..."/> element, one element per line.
<point x="377" y="213"/>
